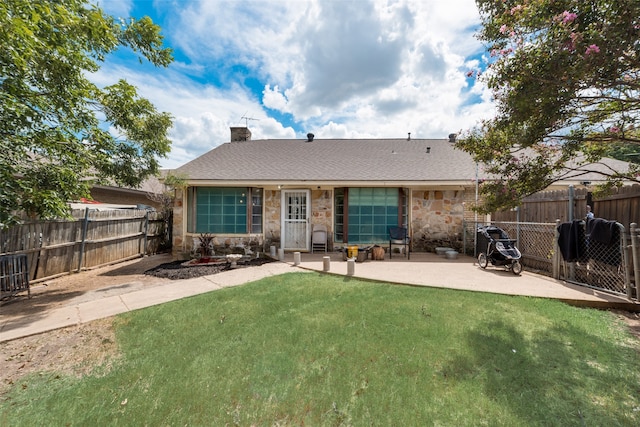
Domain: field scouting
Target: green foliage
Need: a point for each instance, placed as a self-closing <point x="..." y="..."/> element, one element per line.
<point x="166" y="196"/>
<point x="319" y="350"/>
<point x="565" y="76"/>
<point x="52" y="117"/>
<point x="206" y="244"/>
<point x="624" y="152"/>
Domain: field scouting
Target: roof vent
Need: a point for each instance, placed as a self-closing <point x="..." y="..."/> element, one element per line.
<point x="452" y="137"/>
<point x="409" y="137"/>
<point x="310" y="137"/>
<point x="428" y="150"/>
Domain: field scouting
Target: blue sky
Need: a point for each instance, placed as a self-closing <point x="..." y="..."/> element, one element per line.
<point x="335" y="68"/>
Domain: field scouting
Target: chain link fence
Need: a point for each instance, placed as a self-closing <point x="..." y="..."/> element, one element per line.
<point x="594" y="254"/>
<point x="534" y="240"/>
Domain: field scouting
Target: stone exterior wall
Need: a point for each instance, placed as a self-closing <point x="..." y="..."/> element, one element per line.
<point x="437" y="219"/>
<point x="272" y="214"/>
<point x="179" y="214"/>
<point x="322" y="212"/>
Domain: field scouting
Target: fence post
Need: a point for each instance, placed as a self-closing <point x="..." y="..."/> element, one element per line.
<point x="634" y="256"/>
<point x="475" y="239"/>
<point x="555" y="258"/>
<point x="85" y="226"/>
<point x="572" y="199"/>
<point x="517" y="225"/>
<point x="146" y="233"/>
<point x="466" y="235"/>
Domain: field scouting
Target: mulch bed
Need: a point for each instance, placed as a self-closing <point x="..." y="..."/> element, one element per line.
<point x="176" y="270"/>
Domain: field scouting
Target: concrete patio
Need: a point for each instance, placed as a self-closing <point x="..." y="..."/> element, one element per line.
<point x="429" y="269"/>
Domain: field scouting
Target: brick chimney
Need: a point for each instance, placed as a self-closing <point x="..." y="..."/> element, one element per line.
<point x="240" y="134"/>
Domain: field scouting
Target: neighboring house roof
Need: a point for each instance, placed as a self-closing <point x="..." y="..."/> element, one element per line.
<point x="592" y="172"/>
<point x="151" y="185"/>
<point x="112" y="196"/>
<point x="335" y="160"/>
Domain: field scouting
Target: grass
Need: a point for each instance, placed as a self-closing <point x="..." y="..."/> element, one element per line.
<point x="319" y="350"/>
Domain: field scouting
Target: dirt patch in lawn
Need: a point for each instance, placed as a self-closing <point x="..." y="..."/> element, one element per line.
<point x="77" y="350"/>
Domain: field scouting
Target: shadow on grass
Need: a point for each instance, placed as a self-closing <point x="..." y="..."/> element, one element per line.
<point x="546" y="379"/>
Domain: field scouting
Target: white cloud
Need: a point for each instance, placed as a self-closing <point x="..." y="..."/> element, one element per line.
<point x="344" y="69"/>
<point x="274" y="99"/>
<point x="202" y="113"/>
<point x="347" y="58"/>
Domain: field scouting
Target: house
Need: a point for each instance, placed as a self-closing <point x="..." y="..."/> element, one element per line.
<point x="258" y="193"/>
<point x="147" y="195"/>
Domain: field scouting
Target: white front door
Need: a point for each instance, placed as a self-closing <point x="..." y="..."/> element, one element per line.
<point x="295" y="219"/>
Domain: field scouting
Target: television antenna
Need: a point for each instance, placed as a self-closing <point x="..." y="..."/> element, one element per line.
<point x="246" y="119"/>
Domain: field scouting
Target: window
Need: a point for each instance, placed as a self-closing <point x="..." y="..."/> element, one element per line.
<point x="364" y="215"/>
<point x="256" y="210"/>
<point x="225" y="210"/>
<point x="339" y="194"/>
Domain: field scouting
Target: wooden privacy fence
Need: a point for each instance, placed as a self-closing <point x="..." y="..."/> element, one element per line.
<point x="90" y="239"/>
<point x="623" y="206"/>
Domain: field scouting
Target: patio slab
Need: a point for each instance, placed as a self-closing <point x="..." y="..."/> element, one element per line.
<point x="422" y="269"/>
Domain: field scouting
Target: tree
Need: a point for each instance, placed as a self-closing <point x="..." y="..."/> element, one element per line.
<point x="59" y="132"/>
<point x="165" y="196"/>
<point x="565" y="77"/>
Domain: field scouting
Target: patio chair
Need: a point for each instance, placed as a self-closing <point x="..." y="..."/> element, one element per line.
<point x="319" y="238"/>
<point x="399" y="236"/>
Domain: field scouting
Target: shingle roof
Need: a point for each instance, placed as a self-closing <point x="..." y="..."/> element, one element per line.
<point x="334" y="160"/>
<point x="578" y="171"/>
<point x="355" y="160"/>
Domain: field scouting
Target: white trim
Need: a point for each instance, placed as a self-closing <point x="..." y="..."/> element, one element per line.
<point x="307" y="217"/>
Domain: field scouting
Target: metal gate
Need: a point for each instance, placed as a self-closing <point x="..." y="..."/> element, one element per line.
<point x="14" y="275"/>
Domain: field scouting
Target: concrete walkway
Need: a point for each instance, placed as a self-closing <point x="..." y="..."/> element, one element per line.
<point x="422" y="270"/>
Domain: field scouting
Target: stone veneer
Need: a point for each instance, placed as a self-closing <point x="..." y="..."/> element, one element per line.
<point x="178" y="244"/>
<point x="322" y="212"/>
<point x="437" y="219"/>
<point x="272" y="214"/>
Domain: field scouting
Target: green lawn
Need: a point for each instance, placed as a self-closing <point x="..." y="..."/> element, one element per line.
<point x="319" y="350"/>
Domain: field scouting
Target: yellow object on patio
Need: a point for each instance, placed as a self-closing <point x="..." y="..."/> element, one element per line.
<point x="352" y="251"/>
